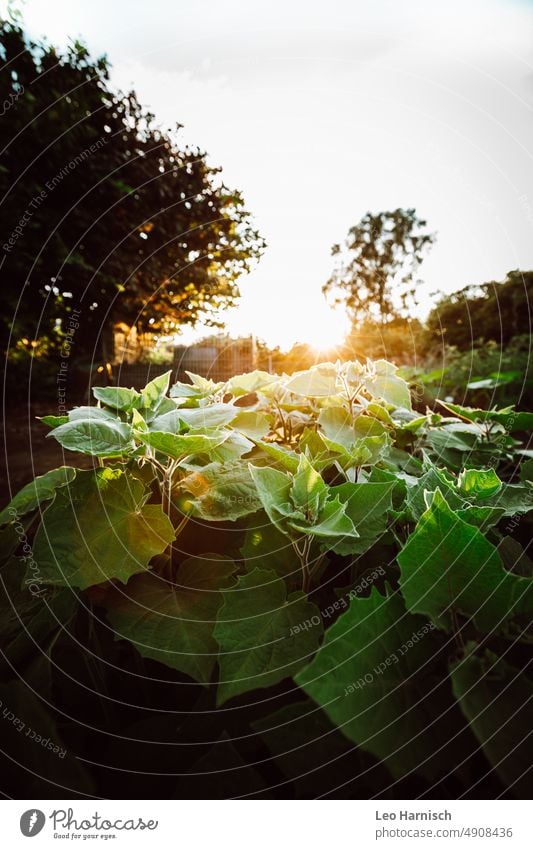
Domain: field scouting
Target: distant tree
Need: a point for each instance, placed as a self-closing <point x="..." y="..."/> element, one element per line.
<point x="102" y="211"/>
<point x="491" y="311"/>
<point x="374" y="275"/>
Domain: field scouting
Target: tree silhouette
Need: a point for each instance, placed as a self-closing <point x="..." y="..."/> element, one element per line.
<point x="374" y="275"/>
<point x="103" y="211"/>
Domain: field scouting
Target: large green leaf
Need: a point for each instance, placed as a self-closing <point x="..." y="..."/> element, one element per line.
<point x="259" y="630"/>
<point x="430" y="481"/>
<point x="383" y="382"/>
<point x="253" y="424"/>
<point x="317" y="382"/>
<point x="496" y="699"/>
<point x="479" y="483"/>
<point x="331" y="523"/>
<point x="448" y="565"/>
<point x="215" y="415"/>
<point x="118" y="398"/>
<point x="94" y="436"/>
<point x="155" y="390"/>
<point x="337" y="425"/>
<point x="199" y="387"/>
<point x="221" y="493"/>
<point x="99" y="528"/>
<point x="173" y="623"/>
<point x="376" y="677"/>
<point x="287" y="459"/>
<point x="35" y="493"/>
<point x="308" y="490"/>
<point x="243" y="384"/>
<point x="367" y="505"/>
<point x="179" y="446"/>
<point x="233" y="448"/>
<point x="273" y="489"/>
<point x="511" y="419"/>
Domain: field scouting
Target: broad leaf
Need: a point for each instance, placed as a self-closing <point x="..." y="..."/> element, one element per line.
<point x="308" y="491"/>
<point x="243" y="384"/>
<point x="35" y="493"/>
<point x="252" y="424"/>
<point x="512" y="420"/>
<point x="288" y="459"/>
<point x="447" y="564"/>
<point x="331" y="523"/>
<point x="273" y="489"/>
<point x="260" y="635"/>
<point x="376" y="678"/>
<point x="385" y="383"/>
<point x="173" y="623"/>
<point x="117" y="397"/>
<point x="154" y="391"/>
<point x="367" y="505"/>
<point x="215" y="415"/>
<point x="221" y="493"/>
<point x="479" y="483"/>
<point x="317" y="382"/>
<point x="96" y="437"/>
<point x="179" y="446"/>
<point x="99" y="528"/>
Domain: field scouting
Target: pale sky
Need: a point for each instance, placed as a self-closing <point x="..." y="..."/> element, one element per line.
<point x="322" y="111"/>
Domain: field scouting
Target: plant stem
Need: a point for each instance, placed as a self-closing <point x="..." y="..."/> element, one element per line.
<point x="303" y="557"/>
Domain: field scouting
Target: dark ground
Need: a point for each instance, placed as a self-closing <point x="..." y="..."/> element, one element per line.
<point x="26" y="452"/>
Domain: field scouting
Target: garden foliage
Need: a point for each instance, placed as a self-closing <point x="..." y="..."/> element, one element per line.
<point x="310" y="535"/>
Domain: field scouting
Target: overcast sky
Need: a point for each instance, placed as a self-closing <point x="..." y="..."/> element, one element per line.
<point x="321" y="111"/>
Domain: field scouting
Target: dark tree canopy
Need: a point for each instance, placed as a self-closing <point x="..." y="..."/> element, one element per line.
<point x="488" y="312"/>
<point x="374" y="276"/>
<point x="101" y="210"/>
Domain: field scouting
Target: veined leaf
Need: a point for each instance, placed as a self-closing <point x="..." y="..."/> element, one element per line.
<point x="98" y="529"/>
<point x="273" y="489"/>
<point x="35" y="493"/>
<point x="511" y="419"/>
<point x="98" y="413"/>
<point x="337" y="425"/>
<point x="243" y="384"/>
<point x="260" y="635"/>
<point x="233" y="448"/>
<point x="253" y="424"/>
<point x="367" y="505"/>
<point x="99" y="438"/>
<point x="221" y="492"/>
<point x="155" y="390"/>
<point x="385" y="383"/>
<point x="214" y="415"/>
<point x="117" y="397"/>
<point x="288" y="459"/>
<point x="199" y="387"/>
<point x="374" y="677"/>
<point x="53" y="421"/>
<point x="180" y="446"/>
<point x="173" y="623"/>
<point x="480" y="483"/>
<point x="331" y="523"/>
<point x="317" y="382"/>
<point x="448" y="565"/>
<point x="308" y="491"/>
